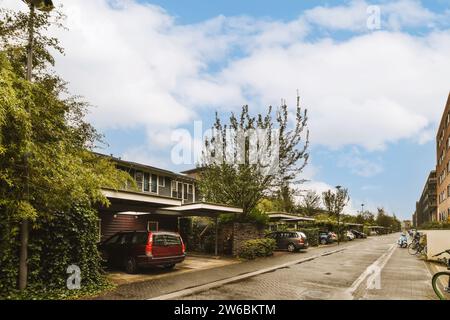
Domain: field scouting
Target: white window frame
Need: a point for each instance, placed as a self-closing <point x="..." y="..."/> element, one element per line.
<point x="154" y="222"/>
<point x="164" y="182"/>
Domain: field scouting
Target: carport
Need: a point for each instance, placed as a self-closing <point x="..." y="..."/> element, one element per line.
<point x="277" y="218"/>
<point x="202" y="209"/>
<point x="131" y="210"/>
<point x="357" y="226"/>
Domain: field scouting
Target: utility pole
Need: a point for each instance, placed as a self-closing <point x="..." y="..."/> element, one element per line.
<point x="42" y="5"/>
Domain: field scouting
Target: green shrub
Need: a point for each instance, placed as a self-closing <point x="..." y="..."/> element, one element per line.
<point x="435" y="226"/>
<point x="59" y="241"/>
<point x="252" y="249"/>
<point x="313" y="236"/>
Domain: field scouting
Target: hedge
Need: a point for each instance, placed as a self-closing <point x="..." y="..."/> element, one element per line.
<point x="252" y="249"/>
<point x="55" y="243"/>
<point x="313" y="236"/>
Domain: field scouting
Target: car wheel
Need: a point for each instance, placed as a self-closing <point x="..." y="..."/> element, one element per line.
<point x="291" y="247"/>
<point x="130" y="265"/>
<point x="323" y="241"/>
<point x="169" y="266"/>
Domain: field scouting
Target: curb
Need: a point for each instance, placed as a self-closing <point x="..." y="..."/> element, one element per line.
<point x="215" y="284"/>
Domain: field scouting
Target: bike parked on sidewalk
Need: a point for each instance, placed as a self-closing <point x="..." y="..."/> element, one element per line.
<point x="441" y="280"/>
<point x="417" y="246"/>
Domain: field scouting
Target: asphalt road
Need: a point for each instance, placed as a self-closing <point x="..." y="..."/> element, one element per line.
<point x="369" y="269"/>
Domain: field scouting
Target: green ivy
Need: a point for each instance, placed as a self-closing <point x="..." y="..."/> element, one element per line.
<point x="57" y="242"/>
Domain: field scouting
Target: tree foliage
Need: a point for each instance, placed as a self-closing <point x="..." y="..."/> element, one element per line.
<point x="335" y="202"/>
<point x="232" y="174"/>
<point x="46" y="164"/>
<point x="311" y="202"/>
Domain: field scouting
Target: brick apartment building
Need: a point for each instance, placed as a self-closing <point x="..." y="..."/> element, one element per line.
<point x="443" y="166"/>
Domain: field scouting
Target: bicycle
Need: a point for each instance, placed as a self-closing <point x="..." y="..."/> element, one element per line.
<point x="441" y="280"/>
<point x="416" y="247"/>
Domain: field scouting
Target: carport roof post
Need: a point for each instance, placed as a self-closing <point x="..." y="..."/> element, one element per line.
<point x="203" y="209"/>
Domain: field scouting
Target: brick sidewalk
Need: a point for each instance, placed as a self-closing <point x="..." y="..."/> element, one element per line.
<point x="404" y="277"/>
<point x="154" y="288"/>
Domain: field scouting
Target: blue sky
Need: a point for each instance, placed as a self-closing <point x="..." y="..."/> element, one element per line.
<point x="374" y="96"/>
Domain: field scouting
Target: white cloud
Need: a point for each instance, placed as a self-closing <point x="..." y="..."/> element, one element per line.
<point x="140" y="67"/>
<point x="353" y="16"/>
<point x="359" y="165"/>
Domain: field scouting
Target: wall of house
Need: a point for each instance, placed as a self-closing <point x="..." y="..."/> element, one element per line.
<point x="166" y="190"/>
<point x="111" y="223"/>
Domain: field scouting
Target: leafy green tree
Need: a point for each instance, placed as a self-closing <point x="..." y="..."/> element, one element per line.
<point x="367" y="218"/>
<point x="232" y="175"/>
<point x="46" y="163"/>
<point x="335" y="202"/>
<point x="311" y="202"/>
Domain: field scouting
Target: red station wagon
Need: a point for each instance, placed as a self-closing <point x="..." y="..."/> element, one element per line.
<point x="134" y="249"/>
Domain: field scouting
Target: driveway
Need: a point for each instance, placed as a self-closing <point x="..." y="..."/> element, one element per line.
<point x="158" y="283"/>
<point x="190" y="264"/>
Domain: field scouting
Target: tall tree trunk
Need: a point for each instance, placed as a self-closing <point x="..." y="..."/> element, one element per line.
<point x="24" y="227"/>
<point x="23" y="268"/>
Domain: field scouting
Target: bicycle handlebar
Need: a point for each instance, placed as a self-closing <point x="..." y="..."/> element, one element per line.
<point x="446" y="251"/>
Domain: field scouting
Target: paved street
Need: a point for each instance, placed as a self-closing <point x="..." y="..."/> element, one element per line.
<point x="343" y="275"/>
<point x="329" y="272"/>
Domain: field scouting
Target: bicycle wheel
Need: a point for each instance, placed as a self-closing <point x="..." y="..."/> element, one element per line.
<point x="441" y="285"/>
<point x="412" y="248"/>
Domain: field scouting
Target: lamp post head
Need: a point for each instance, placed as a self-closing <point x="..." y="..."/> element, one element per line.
<point x="338" y="187"/>
<point x="41" y="5"/>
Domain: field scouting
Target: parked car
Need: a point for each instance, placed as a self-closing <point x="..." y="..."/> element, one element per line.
<point x="289" y="240"/>
<point x="325" y="238"/>
<point x="135" y="249"/>
<point x="359" y="234"/>
<point x="349" y="235"/>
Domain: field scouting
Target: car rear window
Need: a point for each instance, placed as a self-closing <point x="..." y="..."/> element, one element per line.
<point x="172" y="240"/>
<point x="158" y="240"/>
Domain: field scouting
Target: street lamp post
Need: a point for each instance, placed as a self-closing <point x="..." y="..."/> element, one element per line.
<point x="41" y="5"/>
<point x="338" y="218"/>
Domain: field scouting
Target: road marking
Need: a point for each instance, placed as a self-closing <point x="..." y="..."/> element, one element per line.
<point x="380" y="263"/>
<point x="219" y="283"/>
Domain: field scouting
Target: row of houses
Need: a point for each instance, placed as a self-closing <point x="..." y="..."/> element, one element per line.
<point x="162" y="198"/>
<point x="434" y="202"/>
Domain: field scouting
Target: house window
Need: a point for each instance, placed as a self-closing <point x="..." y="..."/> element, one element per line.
<point x="185" y="191"/>
<point x="179" y="190"/>
<point x="154" y="183"/>
<point x="174" y="189"/>
<point x="162" y="181"/>
<point x="139" y="178"/>
<point x="152" y="226"/>
<point x="146" y="182"/>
